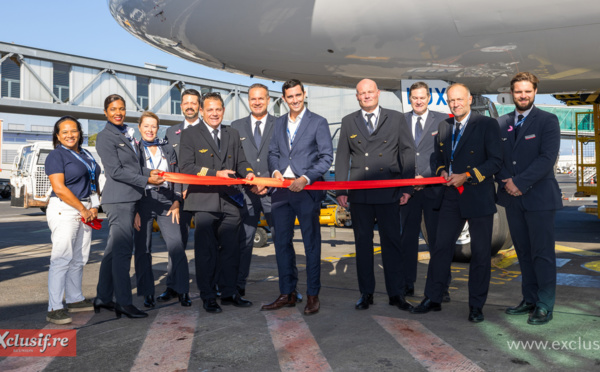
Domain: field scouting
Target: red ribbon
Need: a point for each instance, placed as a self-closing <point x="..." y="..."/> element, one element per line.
<point x="95" y="224"/>
<point x="319" y="185"/>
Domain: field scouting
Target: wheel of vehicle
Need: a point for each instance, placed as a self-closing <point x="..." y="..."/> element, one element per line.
<point x="43" y="209"/>
<point x="5" y="194"/>
<point x="500" y="237"/>
<point x="260" y="237"/>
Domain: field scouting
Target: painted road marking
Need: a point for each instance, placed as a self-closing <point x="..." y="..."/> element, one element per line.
<point x="297" y="349"/>
<point x="40" y="363"/>
<point x="575" y="280"/>
<point x="428" y="349"/>
<point x="168" y="344"/>
<point x="560" y="262"/>
<point x="579" y="252"/>
<point x="592" y="265"/>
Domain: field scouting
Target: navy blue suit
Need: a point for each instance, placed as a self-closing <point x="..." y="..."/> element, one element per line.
<point x="478" y="152"/>
<point x="529" y="160"/>
<point x="311" y="155"/>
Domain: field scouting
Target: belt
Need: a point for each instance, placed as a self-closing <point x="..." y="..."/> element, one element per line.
<point x="156" y="188"/>
<point x="85" y="199"/>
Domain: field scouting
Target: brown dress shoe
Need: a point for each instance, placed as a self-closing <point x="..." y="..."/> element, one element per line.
<point x="284" y="300"/>
<point x="312" y="305"/>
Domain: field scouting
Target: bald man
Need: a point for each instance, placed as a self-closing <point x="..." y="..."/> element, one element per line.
<point x="375" y="144"/>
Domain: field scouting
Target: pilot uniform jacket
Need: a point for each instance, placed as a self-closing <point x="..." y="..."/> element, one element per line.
<point x="126" y="177"/>
<point x="173" y="135"/>
<point x="425" y="154"/>
<point x="529" y="160"/>
<point x="478" y="152"/>
<point x="385" y="154"/>
<point x="257" y="156"/>
<point x="200" y="155"/>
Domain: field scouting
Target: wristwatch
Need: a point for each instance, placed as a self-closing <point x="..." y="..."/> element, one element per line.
<point x="469" y="177"/>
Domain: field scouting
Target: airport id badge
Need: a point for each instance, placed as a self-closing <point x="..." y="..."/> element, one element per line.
<point x="95" y="199"/>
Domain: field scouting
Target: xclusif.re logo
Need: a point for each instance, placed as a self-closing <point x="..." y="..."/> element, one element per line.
<point x="38" y="342"/>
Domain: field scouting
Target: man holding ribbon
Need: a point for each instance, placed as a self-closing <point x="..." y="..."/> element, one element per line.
<point x="469" y="153"/>
<point x="210" y="149"/>
<point x="375" y="145"/>
<point x="529" y="192"/>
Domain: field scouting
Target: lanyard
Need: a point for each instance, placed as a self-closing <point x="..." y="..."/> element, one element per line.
<point x="291" y="138"/>
<point x="521" y="121"/>
<point x="91" y="168"/>
<point x="149" y="157"/>
<point x="455" y="144"/>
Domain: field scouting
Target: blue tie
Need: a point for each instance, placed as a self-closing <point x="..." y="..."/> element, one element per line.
<point x="370" y="123"/>
<point x="257" y="136"/>
<point x="418" y="130"/>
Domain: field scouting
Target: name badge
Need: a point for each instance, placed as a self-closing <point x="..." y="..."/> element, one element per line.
<point x="95" y="199"/>
<point x="434" y="133"/>
<point x="530" y="136"/>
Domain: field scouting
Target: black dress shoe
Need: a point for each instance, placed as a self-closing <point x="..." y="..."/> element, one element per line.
<point x="99" y="304"/>
<point x="521" y="309"/>
<point x="235" y="300"/>
<point x="184" y="299"/>
<point x="364" y="301"/>
<point x="400" y="302"/>
<point x="167" y="295"/>
<point x="446" y="297"/>
<point x="211" y="306"/>
<point x="149" y="301"/>
<point x="426" y="306"/>
<point x="409" y="290"/>
<point x="129" y="311"/>
<point x="475" y="314"/>
<point x="540" y="316"/>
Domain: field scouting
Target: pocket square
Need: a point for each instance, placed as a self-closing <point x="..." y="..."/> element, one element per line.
<point x="121" y="144"/>
<point x="434" y="133"/>
<point x="531" y="136"/>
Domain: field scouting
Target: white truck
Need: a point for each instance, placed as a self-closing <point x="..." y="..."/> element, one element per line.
<point x="29" y="184"/>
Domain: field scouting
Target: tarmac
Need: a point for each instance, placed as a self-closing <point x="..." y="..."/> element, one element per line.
<point x="338" y="338"/>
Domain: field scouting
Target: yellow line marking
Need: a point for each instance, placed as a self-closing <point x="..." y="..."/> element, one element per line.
<point x="579" y="252"/>
<point x="592" y="265"/>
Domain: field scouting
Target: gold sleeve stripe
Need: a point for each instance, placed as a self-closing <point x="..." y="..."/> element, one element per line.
<point x="441" y="167"/>
<point x="479" y="176"/>
<point x="203" y="171"/>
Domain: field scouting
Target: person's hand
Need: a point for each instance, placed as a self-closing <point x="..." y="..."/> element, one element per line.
<point x="225" y="173"/>
<point x="511" y="188"/>
<point x="404" y="198"/>
<point x="343" y="200"/>
<point x="184" y="194"/>
<point x="259" y="190"/>
<point x="87" y="215"/>
<point x="250" y="176"/>
<point x="154" y="178"/>
<point x="94" y="213"/>
<point x="137" y="222"/>
<point x="419" y="187"/>
<point x="456" y="179"/>
<point x="298" y="184"/>
<point x="174" y="212"/>
<point x="278" y="175"/>
<point x="444" y="174"/>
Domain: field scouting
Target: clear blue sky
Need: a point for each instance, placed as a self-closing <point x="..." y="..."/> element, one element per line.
<point x="86" y="28"/>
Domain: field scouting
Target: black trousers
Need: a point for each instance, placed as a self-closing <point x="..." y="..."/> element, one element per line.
<point x="480" y="229"/>
<point x="388" y="221"/>
<point x="114" y="270"/>
<point x="217" y="250"/>
<point x="155" y="204"/>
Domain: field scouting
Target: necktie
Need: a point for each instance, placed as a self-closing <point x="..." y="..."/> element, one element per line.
<point x="418" y="130"/>
<point x="518" y="125"/>
<point x="217" y="140"/>
<point x="370" y="123"/>
<point x="456" y="132"/>
<point x="257" y="135"/>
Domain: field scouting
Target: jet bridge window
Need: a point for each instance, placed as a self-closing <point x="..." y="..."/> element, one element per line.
<point x="11" y="78"/>
<point x="61" y="80"/>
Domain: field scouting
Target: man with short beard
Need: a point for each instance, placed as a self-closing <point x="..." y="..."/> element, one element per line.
<point x="529" y="192"/>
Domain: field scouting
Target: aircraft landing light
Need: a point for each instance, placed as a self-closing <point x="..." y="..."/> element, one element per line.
<point x="592" y="265"/>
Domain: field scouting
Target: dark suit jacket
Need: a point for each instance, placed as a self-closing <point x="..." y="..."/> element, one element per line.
<point x="173" y="135"/>
<point x="171" y="167"/>
<point x="256" y="156"/>
<point x="199" y="154"/>
<point x="126" y="177"/>
<point x="311" y="153"/>
<point x="478" y="152"/>
<point x="529" y="160"/>
<point x="385" y="154"/>
<point x="425" y="155"/>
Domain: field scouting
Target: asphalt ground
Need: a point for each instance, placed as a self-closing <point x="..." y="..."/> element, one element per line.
<point x="338" y="338"/>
